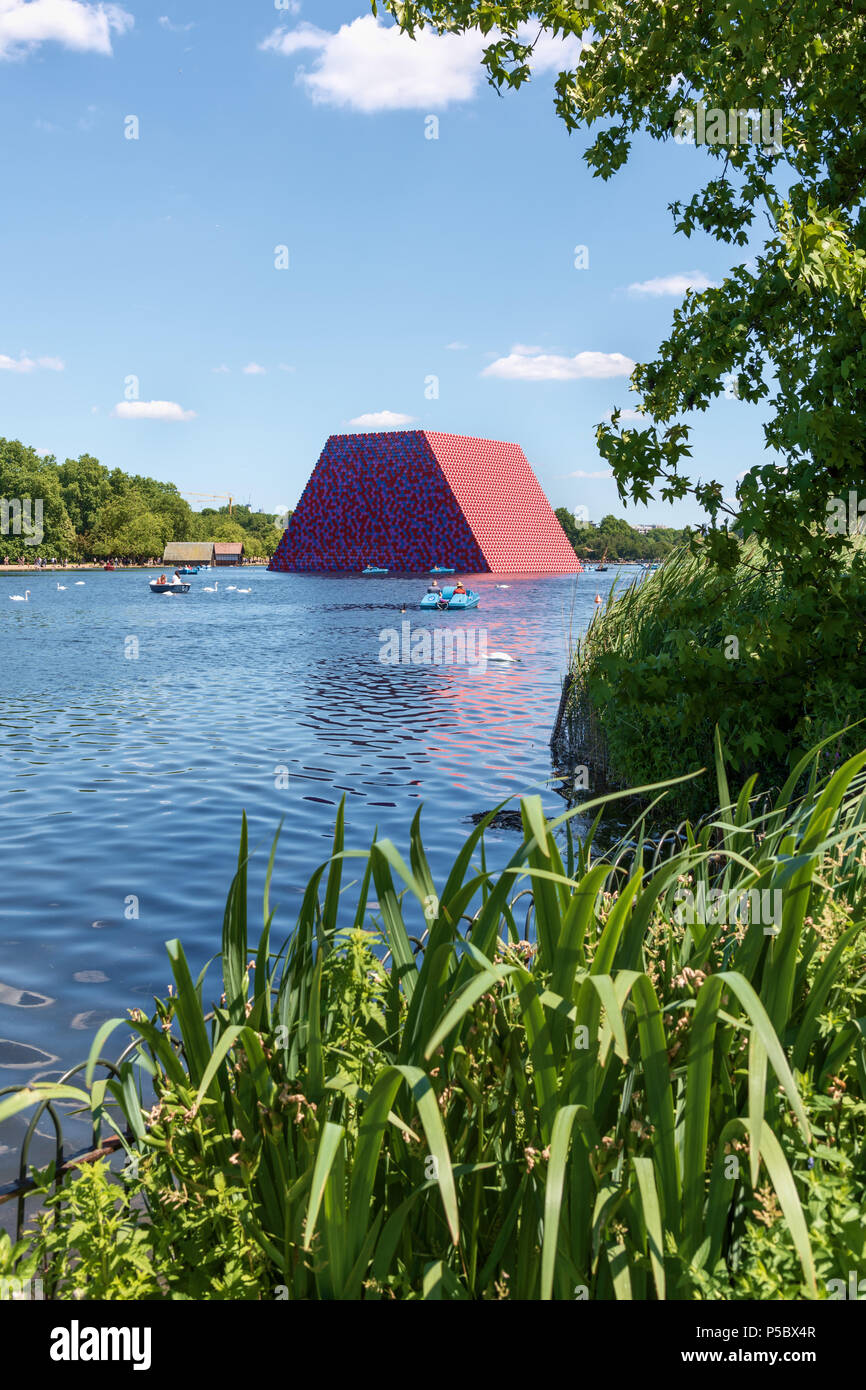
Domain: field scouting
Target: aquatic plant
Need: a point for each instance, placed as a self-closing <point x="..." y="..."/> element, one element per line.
<point x="418" y="1096"/>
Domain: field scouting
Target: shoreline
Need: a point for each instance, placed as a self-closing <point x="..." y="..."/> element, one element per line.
<point x="100" y="568"/>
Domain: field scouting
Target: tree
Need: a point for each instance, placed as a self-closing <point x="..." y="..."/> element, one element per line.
<point x="164" y="500"/>
<point x="788" y="329"/>
<point x="34" y="519"/>
<point x="569" y="525"/>
<point x="85" y="485"/>
<point x="92" y="510"/>
<point x="224" y="529"/>
<point x="256" y="529"/>
<point x="264" y="540"/>
<point x="125" y="526"/>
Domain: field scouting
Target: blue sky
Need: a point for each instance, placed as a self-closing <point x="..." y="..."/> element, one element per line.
<point x="305" y="126"/>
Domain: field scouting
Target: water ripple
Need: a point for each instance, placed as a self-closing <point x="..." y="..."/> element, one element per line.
<point x="122" y="782"/>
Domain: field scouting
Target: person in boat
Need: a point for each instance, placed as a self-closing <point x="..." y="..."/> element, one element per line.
<point x="162" y="579"/>
<point x="435" y="585"/>
<point x="177" y="577"/>
<point x="458" y="587"/>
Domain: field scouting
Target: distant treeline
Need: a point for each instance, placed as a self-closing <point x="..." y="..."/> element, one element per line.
<point x="89" y="511"/>
<point x="621" y="541"/>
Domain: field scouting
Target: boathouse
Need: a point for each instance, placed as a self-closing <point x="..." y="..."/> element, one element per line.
<point x="413" y="499"/>
<point x="188" y="553"/>
<point x="228" y="553"/>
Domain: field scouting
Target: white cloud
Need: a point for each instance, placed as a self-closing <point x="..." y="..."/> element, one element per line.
<point x="456" y="347"/>
<point x="253" y="369"/>
<point x="151" y="410"/>
<point x="550" y="52"/>
<point x="25" y="363"/>
<point x="85" y="27"/>
<point x="221" y="371"/>
<point x="582" y="473"/>
<point x="370" y="66"/>
<point x="381" y="420"/>
<point x="531" y="364"/>
<point x="175" y="28"/>
<point x="676" y="284"/>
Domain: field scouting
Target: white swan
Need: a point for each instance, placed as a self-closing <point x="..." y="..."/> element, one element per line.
<point x="79" y="583"/>
<point x="501" y="656"/>
<point x="503" y="586"/>
<point x="62" y="586"/>
<point x="244" y="591"/>
<point x="229" y="587"/>
<point x="211" y="589"/>
<point x="20" y="598"/>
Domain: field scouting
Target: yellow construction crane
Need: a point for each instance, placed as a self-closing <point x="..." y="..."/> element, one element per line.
<point x="212" y="497"/>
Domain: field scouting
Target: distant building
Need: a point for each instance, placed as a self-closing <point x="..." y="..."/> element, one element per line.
<point x="188" y="553"/>
<point x="412" y="499"/>
<point x="228" y="552"/>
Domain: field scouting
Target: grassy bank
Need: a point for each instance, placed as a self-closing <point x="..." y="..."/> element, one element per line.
<point x="660" y="1094"/>
<point x="690" y="648"/>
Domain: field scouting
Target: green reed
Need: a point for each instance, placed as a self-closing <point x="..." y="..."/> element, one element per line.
<point x="587" y="1114"/>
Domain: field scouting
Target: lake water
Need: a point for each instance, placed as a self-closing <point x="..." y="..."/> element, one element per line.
<point x="123" y="776"/>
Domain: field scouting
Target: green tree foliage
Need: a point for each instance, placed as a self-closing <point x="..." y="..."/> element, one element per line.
<point x="789" y="328"/>
<point x="28" y="480"/>
<point x="85" y="485"/>
<point x="786" y="327"/>
<point x="615" y="538"/>
<point x="225" y="529"/>
<point x="91" y="511"/>
<point x="124" y="526"/>
<point x="256" y="529"/>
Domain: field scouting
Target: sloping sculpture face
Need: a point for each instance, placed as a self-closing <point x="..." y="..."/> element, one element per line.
<point x="411" y="499"/>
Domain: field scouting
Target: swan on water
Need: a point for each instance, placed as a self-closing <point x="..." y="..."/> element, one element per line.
<point x="211" y="588"/>
<point x="62" y="586"/>
<point x="503" y="586"/>
<point x="20" y="598"/>
<point x="79" y="583"/>
<point x="501" y="656"/>
<point x="244" y="591"/>
<point x="229" y="587"/>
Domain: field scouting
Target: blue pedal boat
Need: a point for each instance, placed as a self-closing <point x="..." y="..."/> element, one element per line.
<point x="441" y="569"/>
<point x="445" y="599"/>
<point x="373" y="569"/>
